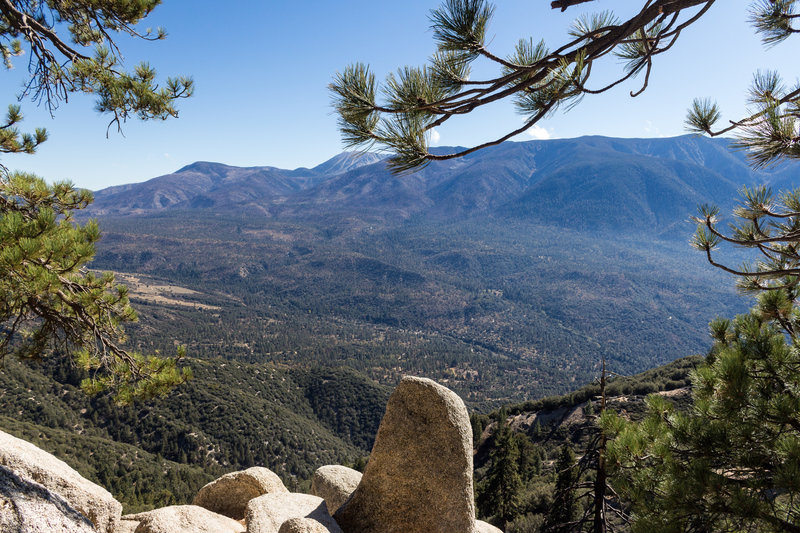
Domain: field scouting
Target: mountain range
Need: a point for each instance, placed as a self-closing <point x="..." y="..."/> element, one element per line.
<point x="589" y="182"/>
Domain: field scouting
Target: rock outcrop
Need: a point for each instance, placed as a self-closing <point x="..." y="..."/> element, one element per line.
<point x="266" y="514"/>
<point x="229" y="494"/>
<point x="419" y="474"/>
<point x="29" y="462"/>
<point x="418" y="480"/>
<point x="28" y="507"/>
<point x="302" y="525"/>
<point x="485" y="527"/>
<point x="127" y="526"/>
<point x="334" y="484"/>
<point x="184" y="519"/>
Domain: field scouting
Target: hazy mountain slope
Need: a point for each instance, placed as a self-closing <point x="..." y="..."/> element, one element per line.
<point x="205" y="185"/>
<point x="199" y="185"/>
<point x="634" y="194"/>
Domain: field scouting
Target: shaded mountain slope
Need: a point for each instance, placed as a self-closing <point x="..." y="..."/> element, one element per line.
<point x="634" y="194"/>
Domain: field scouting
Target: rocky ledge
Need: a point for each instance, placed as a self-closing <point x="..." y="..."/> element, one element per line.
<point x="418" y="480"/>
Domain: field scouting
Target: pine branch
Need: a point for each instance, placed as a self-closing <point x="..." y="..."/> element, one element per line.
<point x="564" y="4"/>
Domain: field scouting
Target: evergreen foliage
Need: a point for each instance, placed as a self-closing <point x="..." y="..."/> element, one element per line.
<point x="563" y="511"/>
<point x="539" y="79"/>
<point x="48" y="299"/>
<point x="87" y="60"/>
<point x="733" y="461"/>
<point x="499" y="493"/>
<point x="765" y="222"/>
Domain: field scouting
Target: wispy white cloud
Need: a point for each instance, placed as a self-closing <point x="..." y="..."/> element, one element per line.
<point x="538" y="132"/>
<point x="651" y="130"/>
<point x="434" y="136"/>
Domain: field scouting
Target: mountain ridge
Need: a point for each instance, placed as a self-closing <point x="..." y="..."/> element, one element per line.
<point x="506" y="180"/>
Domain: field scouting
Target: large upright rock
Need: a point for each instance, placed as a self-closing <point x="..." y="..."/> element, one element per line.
<point x="28" y="507"/>
<point x="91" y="500"/>
<point x="334" y="484"/>
<point x="419" y="474"/>
<point x="229" y="494"/>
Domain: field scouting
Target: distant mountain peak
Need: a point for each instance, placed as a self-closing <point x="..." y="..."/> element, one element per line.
<point x="347" y="161"/>
<point x="203" y="167"/>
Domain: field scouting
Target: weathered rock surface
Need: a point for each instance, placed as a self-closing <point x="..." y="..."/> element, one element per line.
<point x="28" y="507"/>
<point x="419" y="474"/>
<point x="485" y="527"/>
<point x="302" y="525"/>
<point x="266" y="514"/>
<point x="185" y="519"/>
<point x="91" y="500"/>
<point x="229" y="494"/>
<point x="127" y="526"/>
<point x="334" y="484"/>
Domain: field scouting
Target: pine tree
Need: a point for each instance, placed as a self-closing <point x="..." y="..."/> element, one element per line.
<point x="499" y="494"/>
<point x="584" y="498"/>
<point x="732" y="463"/>
<point x="563" y="511"/>
<point x="49" y="301"/>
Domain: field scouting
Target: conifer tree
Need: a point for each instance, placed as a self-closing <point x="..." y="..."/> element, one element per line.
<point x="49" y="301"/>
<point x="732" y="463"/>
<point x="563" y="511"/>
<point x="499" y="494"/>
<point x="584" y="498"/>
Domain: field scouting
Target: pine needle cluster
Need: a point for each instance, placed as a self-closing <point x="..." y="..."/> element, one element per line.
<point x="537" y="79"/>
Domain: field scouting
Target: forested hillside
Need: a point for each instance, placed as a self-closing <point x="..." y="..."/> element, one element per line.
<point x="231" y="416"/>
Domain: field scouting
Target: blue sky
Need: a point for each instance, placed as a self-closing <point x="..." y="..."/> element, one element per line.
<point x="262" y="70"/>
